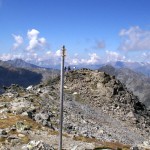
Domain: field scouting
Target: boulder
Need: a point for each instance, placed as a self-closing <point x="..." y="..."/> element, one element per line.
<point x="37" y="145"/>
<point x="20" y="126"/>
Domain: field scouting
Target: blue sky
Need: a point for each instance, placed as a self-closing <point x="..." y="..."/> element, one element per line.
<point x="93" y="31"/>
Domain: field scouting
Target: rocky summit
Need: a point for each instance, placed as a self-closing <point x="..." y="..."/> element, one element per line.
<point x="99" y="113"/>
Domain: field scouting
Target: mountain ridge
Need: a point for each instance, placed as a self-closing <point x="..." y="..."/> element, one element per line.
<point x="97" y="107"/>
<point x="19" y="63"/>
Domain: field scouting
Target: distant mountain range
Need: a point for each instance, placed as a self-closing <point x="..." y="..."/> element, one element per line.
<point x="140" y="67"/>
<point x="19" y="63"/>
<point x="22" y="77"/>
<point x="22" y="73"/>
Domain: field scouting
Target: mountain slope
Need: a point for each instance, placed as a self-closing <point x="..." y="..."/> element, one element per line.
<point x="21" y="77"/>
<point x="101" y="90"/>
<point x="98" y="109"/>
<point x="22" y="73"/>
<point x="138" y="83"/>
<point x="45" y="72"/>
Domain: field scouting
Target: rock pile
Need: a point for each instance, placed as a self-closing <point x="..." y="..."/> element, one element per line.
<point x="104" y="91"/>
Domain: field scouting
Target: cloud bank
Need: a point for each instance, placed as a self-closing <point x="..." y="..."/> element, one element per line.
<point x="135" y="39"/>
<point x="34" y="48"/>
<point x="114" y="56"/>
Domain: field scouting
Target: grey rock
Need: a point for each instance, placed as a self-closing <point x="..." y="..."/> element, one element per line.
<point x="37" y="145"/>
<point x="20" y="126"/>
<point x="20" y="105"/>
<point x="134" y="148"/>
<point x="13" y="140"/>
<point x="3" y="148"/>
<point x="43" y="118"/>
<point x="3" y="132"/>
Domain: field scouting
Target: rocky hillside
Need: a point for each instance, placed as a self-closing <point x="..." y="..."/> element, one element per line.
<point x="98" y="112"/>
<point x="102" y="90"/>
<point x="138" y="83"/>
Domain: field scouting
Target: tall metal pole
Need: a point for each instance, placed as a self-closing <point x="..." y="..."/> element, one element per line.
<point x="61" y="97"/>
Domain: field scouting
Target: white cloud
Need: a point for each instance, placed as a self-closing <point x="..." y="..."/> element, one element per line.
<point x="49" y="53"/>
<point x="114" y="56"/>
<point x="93" y="59"/>
<point x="31" y="56"/>
<point x="75" y="61"/>
<point x="6" y="57"/>
<point x="35" y="43"/>
<point x="28" y="52"/>
<point x="76" y="55"/>
<point x="135" y="38"/>
<point x="146" y="56"/>
<point x="18" y="41"/>
<point x="33" y="34"/>
<point x="42" y="41"/>
<point x="58" y="53"/>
